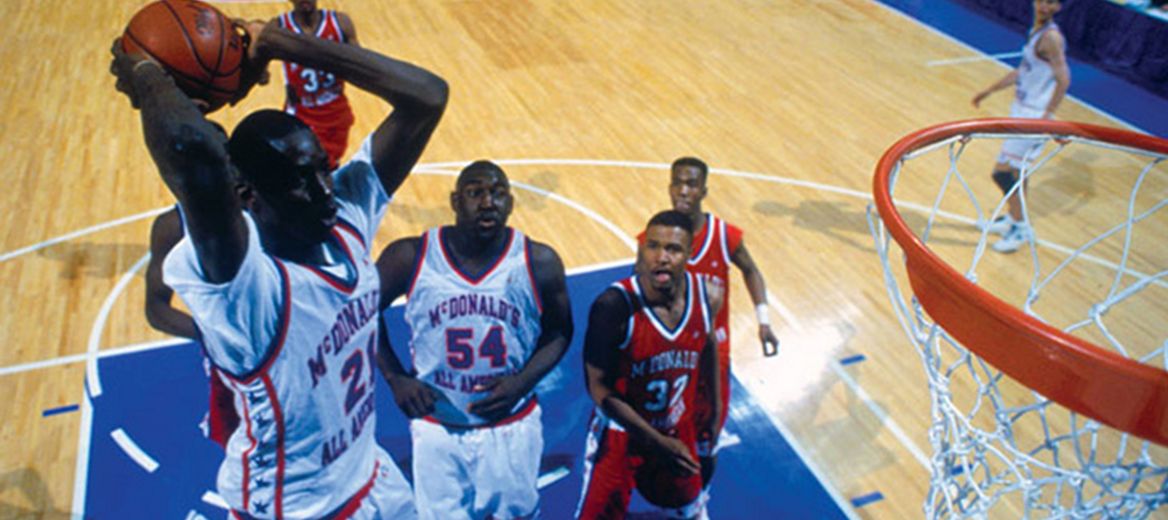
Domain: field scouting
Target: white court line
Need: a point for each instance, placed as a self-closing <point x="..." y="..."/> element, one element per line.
<point x="551" y="477"/>
<point x="131" y="448"/>
<point x="85" y="433"/>
<point x="81" y="468"/>
<point x="82" y="232"/>
<point x="77" y="358"/>
<point x="975" y="58"/>
<point x="213" y="498"/>
<point x="92" y="379"/>
<point x="885" y="418"/>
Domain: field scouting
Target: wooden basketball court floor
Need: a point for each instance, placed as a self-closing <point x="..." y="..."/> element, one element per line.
<point x="585" y="103"/>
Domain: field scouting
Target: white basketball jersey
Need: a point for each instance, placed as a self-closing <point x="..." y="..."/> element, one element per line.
<point x="470" y="329"/>
<point x="1035" y="84"/>
<point x="297" y="344"/>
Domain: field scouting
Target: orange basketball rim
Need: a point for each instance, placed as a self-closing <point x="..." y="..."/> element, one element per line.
<point x="1106" y="386"/>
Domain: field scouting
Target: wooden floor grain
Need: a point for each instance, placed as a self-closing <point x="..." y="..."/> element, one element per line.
<point x="804" y="95"/>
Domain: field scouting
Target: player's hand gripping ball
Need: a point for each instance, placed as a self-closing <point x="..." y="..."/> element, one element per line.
<point x="195" y="43"/>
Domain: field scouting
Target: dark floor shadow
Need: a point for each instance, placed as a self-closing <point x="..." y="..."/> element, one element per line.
<point x="29" y="484"/>
<point x="847" y="222"/>
<point x="94" y="260"/>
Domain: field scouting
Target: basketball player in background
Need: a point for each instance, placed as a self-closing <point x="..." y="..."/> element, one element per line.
<point x="317" y="96"/>
<point x="285" y="294"/>
<point x="649" y="341"/>
<point x="165" y="233"/>
<point x="489" y="315"/>
<point x="716" y="245"/>
<point x="1040" y="82"/>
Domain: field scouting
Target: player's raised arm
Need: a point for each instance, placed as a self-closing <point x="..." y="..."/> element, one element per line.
<point x="554" y="337"/>
<point x="396" y="267"/>
<point x="191" y="156"/>
<point x="418" y="96"/>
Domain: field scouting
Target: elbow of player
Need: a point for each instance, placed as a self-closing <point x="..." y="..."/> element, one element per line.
<point x="437" y="94"/>
<point x="431" y="96"/>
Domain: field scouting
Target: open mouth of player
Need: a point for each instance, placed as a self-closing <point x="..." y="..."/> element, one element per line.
<point x="487" y="222"/>
<point x="662" y="276"/>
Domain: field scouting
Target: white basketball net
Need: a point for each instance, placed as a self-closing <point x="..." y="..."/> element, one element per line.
<point x="1095" y="268"/>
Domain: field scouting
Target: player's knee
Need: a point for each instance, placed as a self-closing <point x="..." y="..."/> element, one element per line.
<point x="1005" y="179"/>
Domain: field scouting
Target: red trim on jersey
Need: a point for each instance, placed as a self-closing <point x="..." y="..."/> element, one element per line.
<point x="354" y="502"/>
<point x="707" y="240"/>
<point x="666" y="332"/>
<point x="475" y="280"/>
<point x="516" y="417"/>
<point x="345" y="225"/>
<point x="222" y="419"/>
<point x="704" y="299"/>
<point x="278" y="417"/>
<point x="419" y="257"/>
<point x="247" y="452"/>
<point x="531" y="274"/>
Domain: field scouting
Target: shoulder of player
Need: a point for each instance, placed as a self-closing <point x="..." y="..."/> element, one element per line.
<point x="611" y="304"/>
<point x="399" y="251"/>
<point x="542" y="254"/>
<point x="165" y="232"/>
<point x="396" y="267"/>
<point x="1052" y="40"/>
<point x="546" y="264"/>
<point x="346" y="23"/>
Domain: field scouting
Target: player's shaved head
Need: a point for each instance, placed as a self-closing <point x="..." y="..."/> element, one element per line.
<point x="477" y="169"/>
<point x="260" y="149"/>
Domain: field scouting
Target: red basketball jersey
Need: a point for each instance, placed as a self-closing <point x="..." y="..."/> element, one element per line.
<point x="312" y="88"/>
<point x="713" y="246"/>
<point x="658" y="370"/>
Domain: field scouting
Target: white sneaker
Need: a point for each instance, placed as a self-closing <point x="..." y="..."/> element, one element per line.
<point x="1001" y="225"/>
<point x="1019" y="234"/>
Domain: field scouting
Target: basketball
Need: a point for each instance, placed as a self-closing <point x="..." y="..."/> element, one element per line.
<point x="194" y="42"/>
<point x="662" y="487"/>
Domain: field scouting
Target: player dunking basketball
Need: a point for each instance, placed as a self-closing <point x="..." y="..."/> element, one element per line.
<point x="717" y="245"/>
<point x="489" y="316"/>
<point x="649" y="341"/>
<point x="1040" y="82"/>
<point x="285" y="294"/>
<point x="317" y="96"/>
